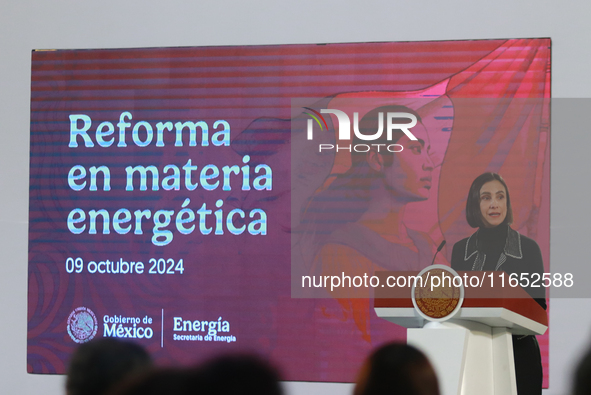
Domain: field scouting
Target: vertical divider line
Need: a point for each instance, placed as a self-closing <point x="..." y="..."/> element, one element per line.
<point x="162" y="330"/>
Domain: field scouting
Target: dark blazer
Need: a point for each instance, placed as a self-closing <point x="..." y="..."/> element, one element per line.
<point x="520" y="255"/>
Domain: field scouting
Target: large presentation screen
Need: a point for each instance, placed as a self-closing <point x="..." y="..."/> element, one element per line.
<point x="178" y="196"/>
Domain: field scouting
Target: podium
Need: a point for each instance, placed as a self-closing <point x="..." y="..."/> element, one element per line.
<point x="472" y="352"/>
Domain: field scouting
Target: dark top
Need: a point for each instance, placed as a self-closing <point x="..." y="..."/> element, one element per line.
<point x="502" y="248"/>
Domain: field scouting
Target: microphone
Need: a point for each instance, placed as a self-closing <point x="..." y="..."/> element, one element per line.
<point x="437" y="252"/>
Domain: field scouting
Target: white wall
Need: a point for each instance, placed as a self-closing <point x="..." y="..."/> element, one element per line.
<point x="30" y="24"/>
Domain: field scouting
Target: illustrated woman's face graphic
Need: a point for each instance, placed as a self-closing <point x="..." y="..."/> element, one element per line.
<point x="409" y="176"/>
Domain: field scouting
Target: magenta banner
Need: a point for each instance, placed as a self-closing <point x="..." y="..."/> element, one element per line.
<point x="170" y="193"/>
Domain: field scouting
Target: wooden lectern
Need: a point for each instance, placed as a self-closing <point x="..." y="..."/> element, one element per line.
<point x="472" y="352"/>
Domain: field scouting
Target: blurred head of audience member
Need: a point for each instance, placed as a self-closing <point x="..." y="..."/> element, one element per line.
<point x="397" y="369"/>
<point x="239" y="375"/>
<point x="159" y="382"/>
<point x="226" y="375"/>
<point x="582" y="384"/>
<point x="99" y="364"/>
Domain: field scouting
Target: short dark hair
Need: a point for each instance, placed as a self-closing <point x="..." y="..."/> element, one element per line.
<point x="157" y="382"/>
<point x="239" y="374"/>
<point x="100" y="364"/>
<point x="397" y="368"/>
<point x="582" y="378"/>
<point x="473" y="214"/>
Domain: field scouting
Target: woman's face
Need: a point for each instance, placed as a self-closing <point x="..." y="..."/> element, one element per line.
<point x="493" y="203"/>
<point x="409" y="177"/>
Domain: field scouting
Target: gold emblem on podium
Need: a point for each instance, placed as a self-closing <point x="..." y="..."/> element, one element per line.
<point x="435" y="295"/>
